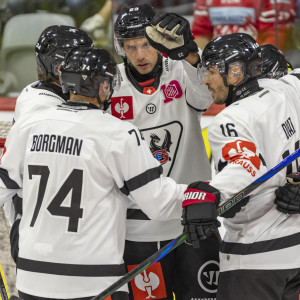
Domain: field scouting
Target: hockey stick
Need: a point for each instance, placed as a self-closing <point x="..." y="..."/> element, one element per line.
<point x="180" y="239"/>
<point x="3" y="290"/>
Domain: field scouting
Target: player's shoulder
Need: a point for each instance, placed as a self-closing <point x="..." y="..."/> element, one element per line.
<point x="33" y="92"/>
<point x="125" y="83"/>
<point x="247" y="108"/>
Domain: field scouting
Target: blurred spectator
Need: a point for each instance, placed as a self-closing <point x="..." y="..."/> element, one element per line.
<point x="16" y="7"/>
<point x="99" y="26"/>
<point x="268" y="21"/>
<point x="80" y="10"/>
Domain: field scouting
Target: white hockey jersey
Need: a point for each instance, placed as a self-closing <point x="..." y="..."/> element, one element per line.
<point x="248" y="138"/>
<point x="35" y="96"/>
<point x="75" y="166"/>
<point x="168" y="121"/>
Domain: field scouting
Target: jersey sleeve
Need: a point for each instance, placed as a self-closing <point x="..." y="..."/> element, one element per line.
<point x="197" y="94"/>
<point x="237" y="156"/>
<point x="11" y="167"/>
<point x="139" y="175"/>
<point x="201" y="25"/>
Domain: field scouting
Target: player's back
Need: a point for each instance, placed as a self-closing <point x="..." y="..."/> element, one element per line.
<point x="76" y="165"/>
<point x="73" y="212"/>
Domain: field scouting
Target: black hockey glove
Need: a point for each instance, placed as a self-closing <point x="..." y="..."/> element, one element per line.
<point x="199" y="215"/>
<point x="171" y="34"/>
<point x="288" y="196"/>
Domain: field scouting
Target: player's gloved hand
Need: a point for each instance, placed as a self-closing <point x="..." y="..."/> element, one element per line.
<point x="230" y="213"/>
<point x="199" y="215"/>
<point x="171" y="34"/>
<point x="288" y="196"/>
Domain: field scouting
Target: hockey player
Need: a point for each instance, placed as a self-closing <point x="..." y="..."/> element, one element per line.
<point x="259" y="257"/>
<point x="162" y="97"/>
<point x="75" y="165"/>
<point x="53" y="44"/>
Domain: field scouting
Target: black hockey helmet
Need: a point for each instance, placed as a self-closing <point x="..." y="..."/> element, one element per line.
<point x="274" y="63"/>
<point x="231" y="48"/>
<point x="131" y="23"/>
<point x="85" y="69"/>
<point x="54" y="43"/>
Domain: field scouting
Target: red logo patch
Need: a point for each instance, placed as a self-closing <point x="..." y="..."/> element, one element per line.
<point x="122" y="108"/>
<point x="239" y="151"/>
<point x="172" y="91"/>
<point x="149" y="90"/>
<point x="148" y="284"/>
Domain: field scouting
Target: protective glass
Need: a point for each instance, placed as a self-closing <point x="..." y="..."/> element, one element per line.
<point x="210" y="69"/>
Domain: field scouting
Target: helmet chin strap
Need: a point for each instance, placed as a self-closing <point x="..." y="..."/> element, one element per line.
<point x="238" y="93"/>
<point x="230" y="95"/>
<point x="106" y="103"/>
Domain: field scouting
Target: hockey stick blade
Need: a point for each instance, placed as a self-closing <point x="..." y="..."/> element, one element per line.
<point x="180" y="239"/>
<point x="3" y="291"/>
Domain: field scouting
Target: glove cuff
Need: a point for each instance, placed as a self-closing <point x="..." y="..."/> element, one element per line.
<point x="193" y="196"/>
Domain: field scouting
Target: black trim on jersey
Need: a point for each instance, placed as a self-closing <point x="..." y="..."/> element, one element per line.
<point x="297" y="75"/>
<point x="194" y="108"/>
<point x="9" y="183"/>
<point x="141" y="180"/>
<point x="264" y="93"/>
<point x="262" y="160"/>
<point x="261" y="247"/>
<point x="18" y="205"/>
<point x="51" y="88"/>
<point x="70" y="269"/>
<point x="136" y="214"/>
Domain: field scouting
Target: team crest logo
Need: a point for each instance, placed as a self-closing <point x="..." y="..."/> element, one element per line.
<point x="172" y="91"/>
<point x="149" y="284"/>
<point x="164" y="142"/>
<point x="161" y="151"/>
<point x="208" y="276"/>
<point x="122" y="108"/>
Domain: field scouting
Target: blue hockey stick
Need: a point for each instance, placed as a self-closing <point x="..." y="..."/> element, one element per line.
<point x="180" y="239"/>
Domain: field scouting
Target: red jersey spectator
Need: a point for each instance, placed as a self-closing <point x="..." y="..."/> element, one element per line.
<point x="214" y="18"/>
